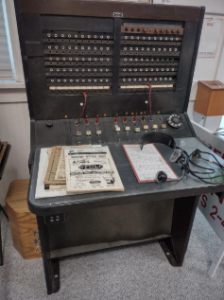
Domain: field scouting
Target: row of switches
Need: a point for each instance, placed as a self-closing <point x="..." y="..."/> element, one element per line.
<point x="88" y="132"/>
<point x="137" y="129"/>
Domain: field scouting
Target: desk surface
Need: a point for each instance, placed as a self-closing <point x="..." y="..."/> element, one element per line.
<point x="134" y="191"/>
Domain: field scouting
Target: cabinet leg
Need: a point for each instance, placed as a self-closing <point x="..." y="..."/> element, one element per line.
<point x="175" y="247"/>
<point x="51" y="266"/>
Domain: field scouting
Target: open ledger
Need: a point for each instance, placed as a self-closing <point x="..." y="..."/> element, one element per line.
<point x="91" y="169"/>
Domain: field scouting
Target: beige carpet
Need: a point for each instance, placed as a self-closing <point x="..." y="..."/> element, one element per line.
<point x="133" y="273"/>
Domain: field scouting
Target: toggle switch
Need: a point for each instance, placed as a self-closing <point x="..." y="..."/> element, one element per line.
<point x="134" y="119"/>
<point x="125" y="119"/>
<point x="87" y="121"/>
<point x="115" y="119"/>
<point x="97" y="121"/>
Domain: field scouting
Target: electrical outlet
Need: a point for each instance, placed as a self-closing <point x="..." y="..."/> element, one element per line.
<point x="53" y="219"/>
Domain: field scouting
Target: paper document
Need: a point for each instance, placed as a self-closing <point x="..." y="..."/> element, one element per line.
<point x="91" y="169"/>
<point x="60" y="173"/>
<point x="147" y="162"/>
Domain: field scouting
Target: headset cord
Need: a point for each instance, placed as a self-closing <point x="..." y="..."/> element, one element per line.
<point x="186" y="161"/>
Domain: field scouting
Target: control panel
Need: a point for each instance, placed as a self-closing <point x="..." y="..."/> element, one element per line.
<point x="135" y="58"/>
<point x="149" y="54"/>
<point x="83" y="60"/>
<point x="77" y="61"/>
<point x="106" y="130"/>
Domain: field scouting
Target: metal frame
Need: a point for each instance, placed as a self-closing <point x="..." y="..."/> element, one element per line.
<point x="174" y="247"/>
<point x="51" y="266"/>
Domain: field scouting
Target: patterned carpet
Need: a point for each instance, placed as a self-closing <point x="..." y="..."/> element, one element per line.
<point x="138" y="272"/>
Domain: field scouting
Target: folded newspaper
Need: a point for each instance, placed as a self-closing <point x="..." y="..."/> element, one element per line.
<point x="91" y="169"/>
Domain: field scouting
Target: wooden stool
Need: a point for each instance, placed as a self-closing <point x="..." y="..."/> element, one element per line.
<point x="22" y="222"/>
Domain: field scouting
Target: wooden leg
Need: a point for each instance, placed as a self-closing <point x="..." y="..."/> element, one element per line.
<point x="216" y="261"/>
<point x="51" y="266"/>
<point x="175" y="247"/>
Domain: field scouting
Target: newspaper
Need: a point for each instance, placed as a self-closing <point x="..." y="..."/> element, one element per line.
<point x="60" y="173"/>
<point x="91" y="169"/>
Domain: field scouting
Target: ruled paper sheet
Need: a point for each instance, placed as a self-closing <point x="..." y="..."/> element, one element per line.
<point x="146" y="163"/>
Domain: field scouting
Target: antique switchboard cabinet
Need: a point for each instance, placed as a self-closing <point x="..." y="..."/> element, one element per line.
<point x="107" y="57"/>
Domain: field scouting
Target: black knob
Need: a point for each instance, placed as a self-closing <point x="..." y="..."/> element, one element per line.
<point x="132" y="29"/>
<point x="126" y="29"/>
<point x="161" y="177"/>
<point x="138" y="29"/>
<point x="49" y="123"/>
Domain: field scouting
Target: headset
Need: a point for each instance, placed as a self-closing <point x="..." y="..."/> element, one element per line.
<point x="181" y="157"/>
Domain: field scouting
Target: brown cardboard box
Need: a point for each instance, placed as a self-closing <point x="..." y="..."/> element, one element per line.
<point x="210" y="98"/>
<point x="22" y="222"/>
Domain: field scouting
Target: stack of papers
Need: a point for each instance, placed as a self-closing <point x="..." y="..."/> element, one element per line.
<point x="69" y="170"/>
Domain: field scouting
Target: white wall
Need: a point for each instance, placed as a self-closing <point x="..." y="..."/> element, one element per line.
<point x="14" y="128"/>
<point x="206" y="68"/>
<point x="14" y="116"/>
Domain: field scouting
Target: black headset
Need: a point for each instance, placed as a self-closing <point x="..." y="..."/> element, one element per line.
<point x="185" y="160"/>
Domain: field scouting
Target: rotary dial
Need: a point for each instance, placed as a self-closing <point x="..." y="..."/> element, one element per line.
<point x="175" y="121"/>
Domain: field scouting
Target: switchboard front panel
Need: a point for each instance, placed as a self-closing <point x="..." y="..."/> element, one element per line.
<point x="115" y="53"/>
